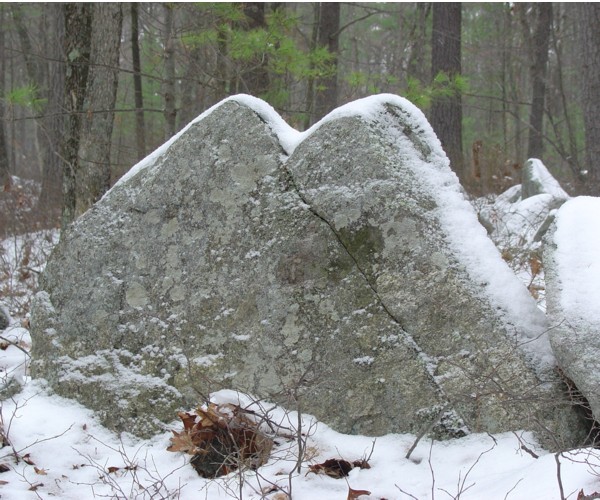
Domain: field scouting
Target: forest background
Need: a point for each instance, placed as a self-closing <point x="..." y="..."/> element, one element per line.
<point x="87" y="90"/>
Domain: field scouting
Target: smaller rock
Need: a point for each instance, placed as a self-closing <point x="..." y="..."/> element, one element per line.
<point x="533" y="201"/>
<point x="4" y="317"/>
<point x="538" y="180"/>
<point x="573" y="293"/>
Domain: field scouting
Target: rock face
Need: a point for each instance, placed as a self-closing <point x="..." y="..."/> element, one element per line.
<point x="573" y="292"/>
<point x="339" y="271"/>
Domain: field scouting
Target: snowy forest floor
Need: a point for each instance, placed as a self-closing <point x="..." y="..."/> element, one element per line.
<point x="54" y="448"/>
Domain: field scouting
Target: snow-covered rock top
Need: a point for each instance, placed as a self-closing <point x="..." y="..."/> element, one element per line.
<point x="577" y="240"/>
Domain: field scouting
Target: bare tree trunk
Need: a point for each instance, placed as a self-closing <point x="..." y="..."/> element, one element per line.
<point x="97" y="122"/>
<point x="140" y="127"/>
<point x="48" y="77"/>
<point x="416" y="61"/>
<point x="589" y="32"/>
<point x="256" y="81"/>
<point x="446" y="112"/>
<point x="5" y="178"/>
<point x="310" y="116"/>
<point x="572" y="155"/>
<point x="540" y="42"/>
<point x="326" y="96"/>
<point x="169" y="81"/>
<point x="78" y="35"/>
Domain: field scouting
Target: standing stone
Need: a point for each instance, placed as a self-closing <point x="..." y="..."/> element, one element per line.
<point x="572" y="294"/>
<point x="331" y="271"/>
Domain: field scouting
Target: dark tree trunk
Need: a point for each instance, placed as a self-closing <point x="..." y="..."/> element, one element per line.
<point x="589" y="30"/>
<point x="540" y="42"/>
<point x="78" y="35"/>
<point x="326" y="94"/>
<point x="416" y="63"/>
<point x="93" y="178"/>
<point x="5" y="178"/>
<point x="169" y="81"/>
<point x="310" y="116"/>
<point x="140" y="127"/>
<point x="256" y="81"/>
<point x="446" y="111"/>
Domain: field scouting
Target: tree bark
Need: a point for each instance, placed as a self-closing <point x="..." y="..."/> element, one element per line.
<point x="416" y="62"/>
<point x="78" y="35"/>
<point x="93" y="178"/>
<point x="140" y="127"/>
<point x="310" y="116"/>
<point x="446" y="111"/>
<point x="169" y="81"/>
<point x="326" y="95"/>
<point x="589" y="32"/>
<point x="256" y="80"/>
<point x="540" y="42"/>
<point x="5" y="177"/>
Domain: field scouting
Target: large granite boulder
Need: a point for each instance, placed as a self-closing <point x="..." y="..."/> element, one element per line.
<point x="573" y="293"/>
<point x="339" y="271"/>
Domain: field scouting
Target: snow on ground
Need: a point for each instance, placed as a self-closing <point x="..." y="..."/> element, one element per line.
<point x="55" y="448"/>
<point x="64" y="453"/>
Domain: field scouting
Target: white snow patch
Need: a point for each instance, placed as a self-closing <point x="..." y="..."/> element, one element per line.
<point x="550" y="185"/>
<point x="577" y="238"/>
<point x="364" y="360"/>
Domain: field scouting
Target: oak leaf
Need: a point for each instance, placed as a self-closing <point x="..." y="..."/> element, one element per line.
<point x="354" y="494"/>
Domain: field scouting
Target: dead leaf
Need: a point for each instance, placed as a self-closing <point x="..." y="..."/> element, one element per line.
<point x="35" y="486"/>
<point x="27" y="459"/>
<point x="592" y="496"/>
<point x="183" y="442"/>
<point x="3" y="482"/>
<point x="354" y="494"/>
<point x="334" y="467"/>
<point x="269" y="489"/>
<point x="112" y="470"/>
<point x="361" y="464"/>
<point x="535" y="265"/>
<point x="41" y="472"/>
<point x="220" y="436"/>
<point x="4" y="468"/>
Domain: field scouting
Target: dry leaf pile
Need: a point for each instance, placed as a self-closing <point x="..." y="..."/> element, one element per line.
<point x="337" y="467"/>
<point x="220" y="438"/>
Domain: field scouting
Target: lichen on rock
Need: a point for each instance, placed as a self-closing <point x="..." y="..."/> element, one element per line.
<point x="325" y="271"/>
